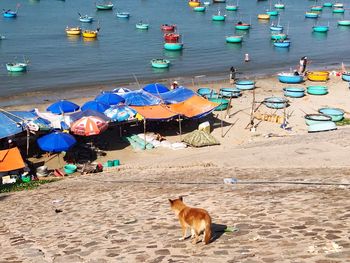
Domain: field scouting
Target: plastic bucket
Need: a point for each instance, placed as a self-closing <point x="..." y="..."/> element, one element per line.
<point x="25" y="179"/>
<point x="70" y="168"/>
<point x="116" y="163"/>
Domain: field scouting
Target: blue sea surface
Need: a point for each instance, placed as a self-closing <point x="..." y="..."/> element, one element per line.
<point x="122" y="51"/>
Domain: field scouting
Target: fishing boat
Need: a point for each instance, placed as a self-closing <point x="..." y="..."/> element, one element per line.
<point x="245" y="84"/>
<point x="90" y="33"/>
<point x="123" y="14"/>
<point x="317" y="8"/>
<point x="199" y="8"/>
<point x="272" y="12"/>
<point x="206" y="3"/>
<point x="2" y="37"/>
<point x="317" y="90"/>
<point x="173" y="46"/>
<point x="218" y="17"/>
<point x="311" y="15"/>
<point x="105" y="6"/>
<point x="290" y="78"/>
<point x="321" y="29"/>
<point x="142" y="26"/>
<point x="16" y="67"/>
<point x="322" y="126"/>
<point x="223" y="104"/>
<point x="279" y="6"/>
<point x="338" y="5"/>
<point x="171" y="38"/>
<point x="160" y="63"/>
<point x="275" y="102"/>
<point x="242" y="26"/>
<point x="278" y="36"/>
<point x="234" y="39"/>
<point x="345" y="76"/>
<point x="168" y="28"/>
<point x="73" y="31"/>
<point x="219" y="1"/>
<point x="294" y="92"/>
<point x="277" y="28"/>
<point x="311" y="119"/>
<point x="344" y="22"/>
<point x="318" y="75"/>
<point x="232" y="7"/>
<point x="85" y="18"/>
<point x="10" y="14"/>
<point x="194" y="3"/>
<point x="264" y="16"/>
<point x="327" y="4"/>
<point x="338" y="10"/>
<point x="335" y="113"/>
<point x="282" y="43"/>
<point x="230" y="92"/>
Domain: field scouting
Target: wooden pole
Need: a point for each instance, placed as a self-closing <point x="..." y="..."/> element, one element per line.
<point x="180" y="128"/>
<point x="144" y="133"/>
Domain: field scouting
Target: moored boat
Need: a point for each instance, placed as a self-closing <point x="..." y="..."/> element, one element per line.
<point x="327" y="4"/>
<point x="123" y="14"/>
<point x="16" y="67"/>
<point x="316" y="8"/>
<point x="311" y="15"/>
<point x="272" y="12"/>
<point x="264" y="16"/>
<point x="194" y="3"/>
<point x="294" y="92"/>
<point x="218" y="17"/>
<point x="317" y="90"/>
<point x="344" y="22"/>
<point x="142" y="26"/>
<point x="9" y="14"/>
<point x="90" y="33"/>
<point x="282" y="43"/>
<point x="338" y="10"/>
<point x="231" y="7"/>
<point x="73" y="30"/>
<point x="173" y="46"/>
<point x="277" y="28"/>
<point x="105" y="6"/>
<point x="290" y="78"/>
<point x="322" y="29"/>
<point x="338" y="5"/>
<point x="160" y="63"/>
<point x="335" y="113"/>
<point x="242" y="26"/>
<point x="199" y="8"/>
<point x="169" y="28"/>
<point x="275" y="102"/>
<point x="206" y="3"/>
<point x="234" y="39"/>
<point x="279" y="6"/>
<point x="279" y="36"/>
<point x="171" y="38"/>
<point x="230" y="92"/>
<point x="85" y="19"/>
<point x="318" y="75"/>
<point x="219" y="1"/>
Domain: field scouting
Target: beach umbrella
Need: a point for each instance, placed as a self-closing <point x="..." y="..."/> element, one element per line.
<point x="141" y="98"/>
<point x="88" y="126"/>
<point x="120" y="113"/>
<point x="56" y="142"/>
<point x="155" y="88"/>
<point x="63" y="106"/>
<point x="94" y="105"/>
<point x="109" y="98"/>
<point x="121" y="91"/>
<point x="87" y="113"/>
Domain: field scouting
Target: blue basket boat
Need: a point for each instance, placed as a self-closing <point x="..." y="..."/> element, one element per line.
<point x="311" y="15"/>
<point x="282" y="43"/>
<point x="245" y="84"/>
<point x="346" y="76"/>
<point x="338" y="10"/>
<point x="86" y="19"/>
<point x="234" y="39"/>
<point x="173" y="46"/>
<point x="16" y="67"/>
<point x="160" y="63"/>
<point x="311" y="119"/>
<point x="272" y="12"/>
<point x="230" y="92"/>
<point x="344" y="22"/>
<point x="294" y="92"/>
<point x="199" y="9"/>
<point x="123" y="14"/>
<point x="142" y="26"/>
<point x="327" y="4"/>
<point x="275" y="102"/>
<point x="335" y="113"/>
<point x="321" y="29"/>
<point x="277" y="28"/>
<point x="206" y="92"/>
<point x="322" y="126"/>
<point x="317" y="90"/>
<point x="290" y="78"/>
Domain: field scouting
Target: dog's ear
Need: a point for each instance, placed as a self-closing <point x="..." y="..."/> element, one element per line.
<point x="181" y="198"/>
<point x="171" y="201"/>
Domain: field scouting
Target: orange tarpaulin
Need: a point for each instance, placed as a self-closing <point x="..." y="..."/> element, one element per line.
<point x="10" y="159"/>
<point x="189" y="108"/>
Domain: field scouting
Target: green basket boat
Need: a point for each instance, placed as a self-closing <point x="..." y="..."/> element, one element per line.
<point x="344" y="22"/>
<point x="173" y="46"/>
<point x="280" y="36"/>
<point x="242" y="26"/>
<point x="272" y="12"/>
<point x="327" y="4"/>
<point x="108" y="6"/>
<point x="218" y="18"/>
<point x="234" y="39"/>
<point x="231" y="7"/>
<point x="321" y="29"/>
<point x="199" y="9"/>
<point x="338" y="10"/>
<point x="317" y="8"/>
<point x="223" y="103"/>
<point x="142" y="26"/>
<point x="16" y="67"/>
<point x="160" y="63"/>
<point x="317" y="90"/>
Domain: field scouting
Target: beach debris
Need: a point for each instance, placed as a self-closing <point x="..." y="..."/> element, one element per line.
<point x="269" y="117"/>
<point x="130" y="221"/>
<point x="199" y="138"/>
<point x="58" y="210"/>
<point x="231" y="229"/>
<point x="57" y="201"/>
<point x="230" y="180"/>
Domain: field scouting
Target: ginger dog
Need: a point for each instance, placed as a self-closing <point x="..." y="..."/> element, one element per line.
<point x="197" y="219"/>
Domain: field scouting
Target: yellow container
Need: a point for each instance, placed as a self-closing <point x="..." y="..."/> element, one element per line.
<point x="264" y="16"/>
<point x="89" y="34"/>
<point x="318" y="75"/>
<point x="194" y="3"/>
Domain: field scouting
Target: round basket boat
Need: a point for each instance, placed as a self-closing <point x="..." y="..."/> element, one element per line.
<point x="231" y="7"/>
<point x="245" y="84"/>
<point x="218" y="18"/>
<point x="242" y="26"/>
<point x="294" y="92"/>
<point x="327" y="4"/>
<point x="279" y="6"/>
<point x="316" y="8"/>
<point x="335" y="113"/>
<point x="160" y="63"/>
<point x="321" y="29"/>
<point x="311" y="15"/>
<point x="338" y="10"/>
<point x="290" y="78"/>
<point x="346" y="76"/>
<point x="322" y="126"/>
<point x="142" y="26"/>
<point x="199" y="8"/>
<point x="223" y="103"/>
<point x="70" y="168"/>
<point x="205" y="92"/>
<point x="279" y="36"/>
<point x="317" y="90"/>
<point x="234" y="39"/>
<point x="275" y="102"/>
<point x="230" y="92"/>
<point x="311" y="119"/>
<point x="272" y="12"/>
<point x="264" y="16"/>
<point x="318" y="75"/>
<point x="344" y="22"/>
<point x="173" y="46"/>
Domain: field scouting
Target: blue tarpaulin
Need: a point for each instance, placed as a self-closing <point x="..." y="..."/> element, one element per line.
<point x="177" y="95"/>
<point x="155" y="88"/>
<point x="140" y="98"/>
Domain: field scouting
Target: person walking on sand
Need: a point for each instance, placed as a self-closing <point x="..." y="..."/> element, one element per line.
<point x="302" y="65"/>
<point x="232" y="75"/>
<point x="174" y="85"/>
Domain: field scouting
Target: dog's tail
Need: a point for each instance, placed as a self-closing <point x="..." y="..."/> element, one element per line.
<point x="207" y="231"/>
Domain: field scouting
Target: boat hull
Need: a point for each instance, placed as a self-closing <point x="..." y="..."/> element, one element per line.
<point x="338" y="10"/>
<point x="327" y="4"/>
<point x="311" y="15"/>
<point x="275" y="102"/>
<point x="344" y="22"/>
<point x="272" y="13"/>
<point x="218" y="18"/>
<point x="323" y="126"/>
<point x="10" y="14"/>
<point x="193" y="4"/>
<point x="284" y="44"/>
<point x="123" y="15"/>
<point x="290" y="78"/>
<point x="199" y="9"/>
<point x="160" y="63"/>
<point x="104" y="7"/>
<point x="279" y="6"/>
<point x="142" y="26"/>
<point x="242" y="27"/>
<point x="318" y="75"/>
<point x="321" y="29"/>
<point x="317" y="90"/>
<point x="230" y="92"/>
<point x="311" y="119"/>
<point x="205" y="92"/>
<point x="245" y="84"/>
<point x="86" y="20"/>
<point x="278" y="36"/>
<point x="234" y="39"/>
<point x="316" y="8"/>
<point x="231" y="8"/>
<point x="334" y="113"/>
<point x="346" y="77"/>
<point x="90" y="34"/>
<point x="264" y="16"/>
<point x="19" y="67"/>
<point x="294" y="92"/>
<point x="173" y="46"/>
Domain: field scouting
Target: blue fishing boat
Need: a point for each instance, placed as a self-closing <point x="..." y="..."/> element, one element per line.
<point x="142" y="26"/>
<point x="322" y="126"/>
<point x="338" y="10"/>
<point x="311" y="119"/>
<point x="85" y="18"/>
<point x="278" y="36"/>
<point x="16" y="67"/>
<point x="234" y="39"/>
<point x="321" y="29"/>
<point x="317" y="90"/>
<point x="346" y="76"/>
<point x="230" y="92"/>
<point x="242" y="26"/>
<point x="327" y="4"/>
<point x="275" y="102"/>
<point x="218" y="16"/>
<point x="344" y="22"/>
<point x="206" y="92"/>
<point x="9" y="13"/>
<point x="245" y="84"/>
<point x="317" y="8"/>
<point x="160" y="63"/>
<point x="173" y="46"/>
<point x="311" y="15"/>
<point x="294" y="92"/>
<point x="199" y="9"/>
<point x="123" y="14"/>
<point x="335" y="113"/>
<point x="282" y="43"/>
<point x="290" y="78"/>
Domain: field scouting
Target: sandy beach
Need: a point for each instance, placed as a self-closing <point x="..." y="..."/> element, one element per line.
<point x="290" y="202"/>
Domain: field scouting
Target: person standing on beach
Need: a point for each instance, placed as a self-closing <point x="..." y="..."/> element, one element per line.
<point x="302" y="65"/>
<point x="232" y="75"/>
<point x="174" y="85"/>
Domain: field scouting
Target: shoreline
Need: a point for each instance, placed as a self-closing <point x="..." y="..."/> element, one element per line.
<point x="69" y="92"/>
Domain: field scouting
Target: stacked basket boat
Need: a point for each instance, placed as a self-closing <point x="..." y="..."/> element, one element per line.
<point x="325" y="120"/>
<point x="172" y="41"/>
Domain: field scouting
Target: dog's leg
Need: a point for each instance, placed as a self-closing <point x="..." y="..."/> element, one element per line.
<point x="196" y="237"/>
<point x="193" y="234"/>
<point x="184" y="232"/>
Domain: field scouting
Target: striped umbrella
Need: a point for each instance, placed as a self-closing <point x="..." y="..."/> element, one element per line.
<point x="87" y="126"/>
<point x="120" y="113"/>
